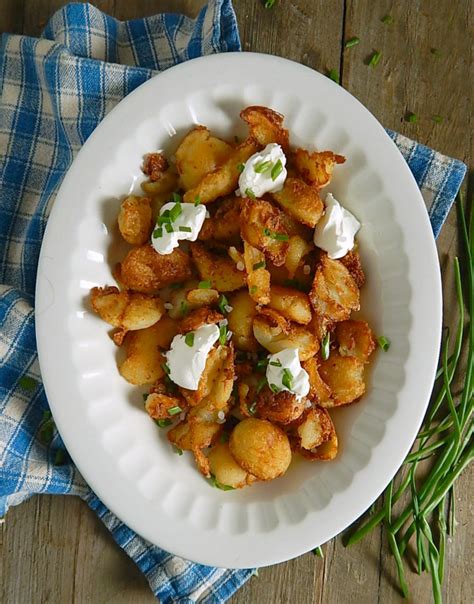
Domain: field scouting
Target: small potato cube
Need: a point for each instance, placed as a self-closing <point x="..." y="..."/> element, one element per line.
<point x="297" y="249"/>
<point x="315" y="429"/>
<point x="291" y="303"/>
<point x="144" y="359"/>
<point x="135" y="219"/>
<point x="260" y="448"/>
<point x="258" y="278"/>
<point x="154" y="165"/>
<point x="225" y="224"/>
<point x="282" y="408"/>
<point x="166" y="184"/>
<point x="241" y="321"/>
<point x="125" y="310"/>
<point x="316" y="168"/>
<point x="301" y="201"/>
<point x="266" y="126"/>
<point x="355" y="339"/>
<point x="262" y="227"/>
<point x="219" y="270"/>
<point x="319" y="392"/>
<point x="226" y="470"/>
<point x="202" y="297"/>
<point x="158" y="405"/>
<point x="344" y="377"/>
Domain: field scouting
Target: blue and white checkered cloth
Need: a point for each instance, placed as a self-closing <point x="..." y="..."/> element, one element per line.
<point x="54" y="91"/>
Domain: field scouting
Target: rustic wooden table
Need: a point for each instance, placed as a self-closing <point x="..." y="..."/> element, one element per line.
<point x="54" y="548"/>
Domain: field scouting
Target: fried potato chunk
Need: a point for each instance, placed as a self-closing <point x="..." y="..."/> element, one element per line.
<point x="226" y="470"/>
<point x="219" y="270"/>
<point x="222" y="181"/>
<point x="316" y="168"/>
<point x="146" y="271"/>
<point x="199" y="317"/>
<point x="198" y="154"/>
<point x="282" y="408"/>
<point x="241" y="321"/>
<point x="166" y="184"/>
<point x="258" y="278"/>
<point x="319" y="391"/>
<point x="344" y="377"/>
<point x="334" y="293"/>
<point x="262" y="227"/>
<point x="297" y="250"/>
<point x="266" y="126"/>
<point x="225" y="224"/>
<point x="154" y="165"/>
<point x="291" y="303"/>
<point x="353" y="264"/>
<point x="144" y="358"/>
<point x="135" y="219"/>
<point x="126" y="310"/>
<point x="158" y="405"/>
<point x="275" y="333"/>
<point x="260" y="448"/>
<point x="301" y="201"/>
<point x="315" y="428"/>
<point x="355" y="339"/>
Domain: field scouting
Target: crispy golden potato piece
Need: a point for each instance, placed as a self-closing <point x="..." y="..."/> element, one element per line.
<point x="158" y="405"/>
<point x="266" y="126"/>
<point x="258" y="278"/>
<point x="188" y="296"/>
<point x="143" y="364"/>
<point x="202" y="297"/>
<point x="301" y="201"/>
<point x="226" y="470"/>
<point x="297" y="250"/>
<point x="282" y="408"/>
<point x="154" y="165"/>
<point x="260" y="448"/>
<point x="291" y="303"/>
<point x="317" y="167"/>
<point x="219" y="270"/>
<point x="135" y="219"/>
<point x="212" y="371"/>
<point x="320" y="325"/>
<point x="241" y="321"/>
<point x="345" y="378"/>
<point x="355" y="339"/>
<point x="166" y="184"/>
<point x="334" y="293"/>
<point x="319" y="392"/>
<point x="225" y="224"/>
<point x="199" y="317"/>
<point x="222" y="181"/>
<point x="353" y="264"/>
<point x="146" y="271"/>
<point x="262" y="227"/>
<point x="127" y="310"/>
<point x="275" y="333"/>
<point x="198" y="154"/>
<point x="315" y="428"/>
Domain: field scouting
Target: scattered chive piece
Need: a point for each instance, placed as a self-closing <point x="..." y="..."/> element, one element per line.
<point x="223" y="302"/>
<point x="262" y="166"/>
<point x="186" y="229"/>
<point x="176" y="210"/>
<point x="252" y="409"/>
<point x="274" y="388"/>
<point x="275" y="363"/>
<point x="261" y="383"/>
<point x="176" y="197"/>
<point x="352" y="42"/>
<point x="258" y="265"/>
<point x="411" y="117"/>
<point x="158" y="233"/>
<point x="280" y="236"/>
<point x="144" y="397"/>
<point x="249" y="193"/>
<point x="59" y="457"/>
<point x="334" y="75"/>
<point x="240" y="168"/>
<point x="176" y="286"/>
<point x="189" y="339"/>
<point x="197" y="200"/>
<point x="169" y="227"/>
<point x="223" y="334"/>
<point x="204" y="285"/>
<point x="162" y="423"/>
<point x="177" y="450"/>
<point x="436" y="52"/>
<point x="437" y="119"/>
<point x="253" y="289"/>
<point x="46" y="428"/>
<point x="47" y="415"/>
<point x="255" y="572"/>
<point x="269" y="3"/>
<point x="277" y="170"/>
<point x="325" y="346"/>
<point x="261" y="364"/>
<point x="184" y="308"/>
<point x="166" y="368"/>
<point x="174" y="410"/>
<point x="287" y="379"/>
<point x="266" y="232"/>
<point x="317" y="551"/>
<point x="218" y="485"/>
<point x="388" y="19"/>
<point x="27" y="383"/>
<point x="295" y="283"/>
<point x="375" y="58"/>
<point x="384" y="343"/>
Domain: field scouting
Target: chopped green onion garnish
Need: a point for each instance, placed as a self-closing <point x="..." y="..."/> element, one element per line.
<point x="223" y="334"/>
<point x="186" y="229"/>
<point x="162" y="423"/>
<point x="144" y="397"/>
<point x="166" y="368"/>
<point x="176" y="210"/>
<point x="177" y="450"/>
<point x="375" y="58"/>
<point x="437" y="119"/>
<point x="261" y="383"/>
<point x="176" y="286"/>
<point x="267" y="232"/>
<point x="277" y="170"/>
<point x="352" y="42"/>
<point x="269" y="3"/>
<point x="261" y="364"/>
<point x="223" y="302"/>
<point x="252" y="409"/>
<point x="325" y="346"/>
<point x="59" y="457"/>
<point x="436" y="52"/>
<point x="158" y="233"/>
<point x="274" y="388"/>
<point x="249" y="193"/>
<point x="215" y="483"/>
<point x="176" y="198"/>
<point x="287" y="379"/>
<point x="189" y="339"/>
<point x="27" y="383"/>
<point x="46" y="428"/>
<point x="169" y="227"/>
<point x="411" y="117"/>
<point x="46" y="415"/>
<point x="295" y="283"/>
<point x="174" y="410"/>
<point x="258" y="265"/>
<point x="253" y="289"/>
<point x="204" y="285"/>
<point x="334" y="75"/>
<point x="317" y="551"/>
<point x="280" y="236"/>
<point x="384" y="343"/>
<point x="388" y="19"/>
<point x="197" y="200"/>
<point x="240" y="168"/>
<point x="184" y="308"/>
<point x="276" y="363"/>
<point x="262" y="166"/>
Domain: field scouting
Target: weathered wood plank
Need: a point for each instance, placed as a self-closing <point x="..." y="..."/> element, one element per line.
<point x="11" y="16"/>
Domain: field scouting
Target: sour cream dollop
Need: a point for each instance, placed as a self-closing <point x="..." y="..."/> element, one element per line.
<point x="285" y="372"/>
<point x="186" y="220"/>
<point x="186" y="362"/>
<point x="264" y="172"/>
<point x="336" y="230"/>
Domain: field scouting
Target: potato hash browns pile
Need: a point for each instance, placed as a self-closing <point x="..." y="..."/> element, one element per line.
<point x="254" y="272"/>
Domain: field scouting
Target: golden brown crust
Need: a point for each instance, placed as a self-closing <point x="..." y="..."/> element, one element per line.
<point x="282" y="408"/>
<point x="355" y="339"/>
<point x="266" y="126"/>
<point x="353" y="264"/>
<point x="344" y="377"/>
<point x="154" y="164"/>
<point x="316" y="168"/>
<point x="301" y="201"/>
<point x="199" y="317"/>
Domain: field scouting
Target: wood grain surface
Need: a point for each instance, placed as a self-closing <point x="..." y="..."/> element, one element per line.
<point x="54" y="549"/>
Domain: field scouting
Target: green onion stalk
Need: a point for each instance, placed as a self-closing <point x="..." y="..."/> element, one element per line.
<point x="445" y="440"/>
